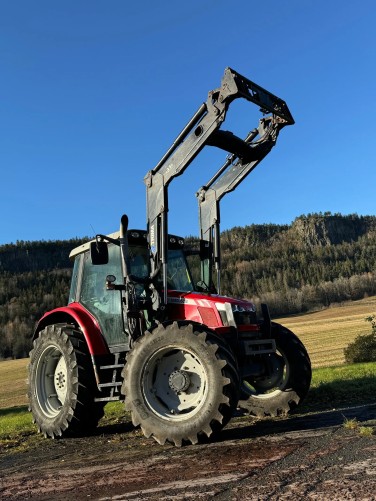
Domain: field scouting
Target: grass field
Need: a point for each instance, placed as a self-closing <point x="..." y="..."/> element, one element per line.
<point x="13" y="383"/>
<point x="324" y="333"/>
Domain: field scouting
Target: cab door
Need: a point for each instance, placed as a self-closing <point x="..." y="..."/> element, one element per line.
<point x="105" y="305"/>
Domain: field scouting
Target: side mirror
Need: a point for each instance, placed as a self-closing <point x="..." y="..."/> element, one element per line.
<point x="99" y="252"/>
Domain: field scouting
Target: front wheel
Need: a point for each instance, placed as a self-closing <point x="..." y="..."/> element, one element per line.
<point x="286" y="380"/>
<point x="61" y="385"/>
<point x="180" y="382"/>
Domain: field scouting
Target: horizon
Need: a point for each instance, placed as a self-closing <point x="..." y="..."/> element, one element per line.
<point x="301" y="216"/>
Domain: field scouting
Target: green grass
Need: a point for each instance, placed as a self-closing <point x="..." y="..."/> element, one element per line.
<point x="18" y="419"/>
<point x="353" y="424"/>
<point x="342" y="386"/>
<point x="17" y="431"/>
<point x="14" y="419"/>
<point x="366" y="431"/>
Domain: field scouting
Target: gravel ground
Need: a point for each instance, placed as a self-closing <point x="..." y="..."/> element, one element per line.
<point x="300" y="457"/>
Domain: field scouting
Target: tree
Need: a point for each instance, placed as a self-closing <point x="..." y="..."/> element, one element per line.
<point x="363" y="349"/>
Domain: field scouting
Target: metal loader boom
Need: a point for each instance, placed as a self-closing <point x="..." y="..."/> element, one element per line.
<point x="227" y="178"/>
<point x="200" y="131"/>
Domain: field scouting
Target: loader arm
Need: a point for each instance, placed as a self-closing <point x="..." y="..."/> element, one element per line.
<point x="227" y="178"/>
<point x="200" y="131"/>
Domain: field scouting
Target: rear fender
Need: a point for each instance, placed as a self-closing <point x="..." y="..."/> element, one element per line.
<point x="76" y="314"/>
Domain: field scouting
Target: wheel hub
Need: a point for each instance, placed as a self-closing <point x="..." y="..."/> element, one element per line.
<point x="61" y="380"/>
<point x="179" y="380"/>
<point x="175" y="383"/>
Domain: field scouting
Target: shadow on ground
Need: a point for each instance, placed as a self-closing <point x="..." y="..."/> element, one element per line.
<point x="246" y="427"/>
<point x="294" y="423"/>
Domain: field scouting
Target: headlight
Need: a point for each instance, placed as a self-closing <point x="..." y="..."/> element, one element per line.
<point x="241" y="308"/>
<point x="236" y="314"/>
<point x="221" y="307"/>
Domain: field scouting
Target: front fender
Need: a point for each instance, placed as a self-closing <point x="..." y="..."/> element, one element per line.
<point x="77" y="314"/>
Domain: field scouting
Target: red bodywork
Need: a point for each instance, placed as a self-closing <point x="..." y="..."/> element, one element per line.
<point x="79" y="315"/>
<point x="192" y="306"/>
<point x="201" y="308"/>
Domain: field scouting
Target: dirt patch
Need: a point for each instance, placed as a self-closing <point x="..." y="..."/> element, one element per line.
<point x="310" y="457"/>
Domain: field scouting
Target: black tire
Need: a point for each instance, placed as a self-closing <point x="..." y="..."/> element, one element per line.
<point x="180" y="383"/>
<point x="289" y="382"/>
<point x="61" y="385"/>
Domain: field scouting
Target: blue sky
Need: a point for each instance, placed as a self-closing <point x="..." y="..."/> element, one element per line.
<point x="93" y="93"/>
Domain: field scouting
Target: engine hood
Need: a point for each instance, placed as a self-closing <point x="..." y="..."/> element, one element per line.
<point x="197" y="297"/>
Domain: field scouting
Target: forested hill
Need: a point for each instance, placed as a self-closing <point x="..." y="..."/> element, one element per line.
<point x="318" y="260"/>
<point x="37" y="256"/>
<point x="34" y="278"/>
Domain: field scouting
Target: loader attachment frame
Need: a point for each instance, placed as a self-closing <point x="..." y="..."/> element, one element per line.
<point x="200" y="131"/>
<point x="226" y="179"/>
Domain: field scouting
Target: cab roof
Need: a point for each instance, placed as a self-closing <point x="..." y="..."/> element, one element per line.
<point x="134" y="236"/>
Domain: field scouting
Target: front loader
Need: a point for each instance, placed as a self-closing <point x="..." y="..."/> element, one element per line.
<point x="137" y="328"/>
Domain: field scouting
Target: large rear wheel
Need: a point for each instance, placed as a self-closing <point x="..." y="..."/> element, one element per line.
<point x="180" y="382"/>
<point x="286" y="380"/>
<point x="61" y="385"/>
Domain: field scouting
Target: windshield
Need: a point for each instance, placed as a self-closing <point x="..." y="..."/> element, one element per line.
<point x="178" y="276"/>
<point x="139" y="261"/>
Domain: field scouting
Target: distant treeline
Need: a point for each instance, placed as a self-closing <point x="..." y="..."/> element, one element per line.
<point x="318" y="260"/>
<point x="34" y="278"/>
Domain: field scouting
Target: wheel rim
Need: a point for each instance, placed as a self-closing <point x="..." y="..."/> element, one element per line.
<point x="269" y="386"/>
<point x="174" y="384"/>
<point x="51" y="381"/>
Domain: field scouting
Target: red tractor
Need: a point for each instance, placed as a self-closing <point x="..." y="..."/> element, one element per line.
<point x="138" y="328"/>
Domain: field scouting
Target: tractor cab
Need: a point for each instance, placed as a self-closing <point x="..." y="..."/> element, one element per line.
<point x="98" y="282"/>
